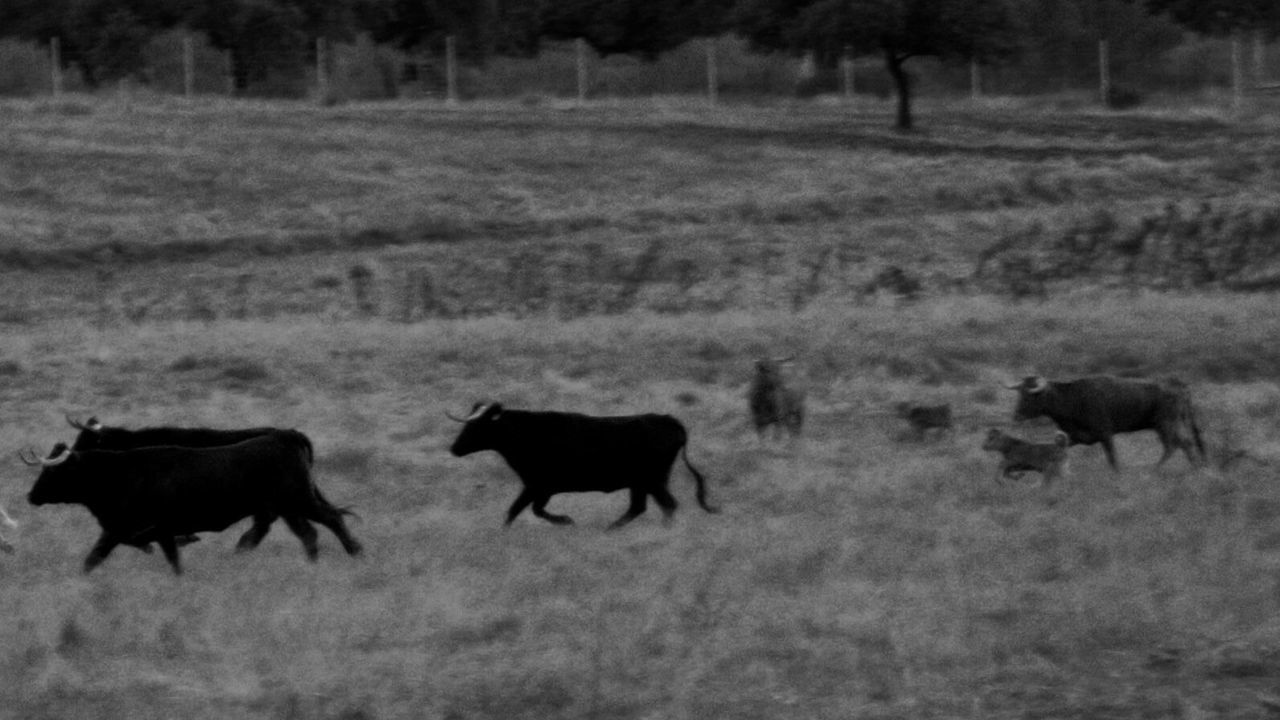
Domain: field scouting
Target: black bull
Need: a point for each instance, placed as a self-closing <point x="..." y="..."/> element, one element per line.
<point x="1094" y="409"/>
<point x="556" y="452"/>
<point x="93" y="435"/>
<point x="157" y="494"/>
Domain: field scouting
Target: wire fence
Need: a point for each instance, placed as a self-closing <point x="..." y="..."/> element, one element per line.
<point x="181" y="63"/>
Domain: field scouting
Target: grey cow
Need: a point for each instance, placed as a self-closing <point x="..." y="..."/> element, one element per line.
<point x="1018" y="455"/>
<point x="773" y="402"/>
<point x="1095" y="409"/>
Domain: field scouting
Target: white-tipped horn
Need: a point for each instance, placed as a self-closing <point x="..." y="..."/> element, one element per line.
<point x="1015" y="386"/>
<point x="1038" y="384"/>
<point x="94" y="424"/>
<point x="57" y="459"/>
<point x="476" y="412"/>
<point x="7" y="520"/>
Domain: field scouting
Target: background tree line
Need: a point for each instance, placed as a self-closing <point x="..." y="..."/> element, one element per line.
<point x="106" y="38"/>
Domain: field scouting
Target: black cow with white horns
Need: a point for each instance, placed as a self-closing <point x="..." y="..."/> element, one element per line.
<point x="158" y="494"/>
<point x="1094" y="409"/>
<point x="559" y="452"/>
<point x="93" y="435"/>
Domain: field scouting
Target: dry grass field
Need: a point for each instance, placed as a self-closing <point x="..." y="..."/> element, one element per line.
<point x="356" y="271"/>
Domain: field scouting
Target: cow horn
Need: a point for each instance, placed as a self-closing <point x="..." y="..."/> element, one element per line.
<point x="453" y="417"/>
<point x="1038" y="384"/>
<point x="73" y="422"/>
<point x="57" y="459"/>
<point x="1015" y="386"/>
<point x="476" y="412"/>
<point x="94" y="424"/>
<point x="32" y="460"/>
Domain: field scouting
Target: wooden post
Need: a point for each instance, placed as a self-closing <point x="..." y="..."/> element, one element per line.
<point x="322" y="70"/>
<point x="846" y="74"/>
<point x="55" y="57"/>
<point x="975" y="79"/>
<point x="229" y="69"/>
<point x="1259" y="59"/>
<point x="580" y="50"/>
<point x="1237" y="73"/>
<point x="188" y="65"/>
<point x="1104" y="72"/>
<point x="713" y="72"/>
<point x="451" y="70"/>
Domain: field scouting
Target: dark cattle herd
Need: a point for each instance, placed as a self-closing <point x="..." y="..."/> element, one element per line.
<point x="165" y="485"/>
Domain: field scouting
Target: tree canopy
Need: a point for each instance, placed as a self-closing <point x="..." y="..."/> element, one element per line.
<point x="897" y="30"/>
<point x="1222" y="17"/>
<point x="637" y="27"/>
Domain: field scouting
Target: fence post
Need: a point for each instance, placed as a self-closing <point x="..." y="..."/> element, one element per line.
<point x="451" y="71"/>
<point x="1104" y="72"/>
<point x="55" y="57"/>
<point x="846" y="73"/>
<point x="188" y="65"/>
<point x="580" y="52"/>
<point x="713" y="72"/>
<point x="229" y="69"/>
<point x="1259" y="59"/>
<point x="322" y="70"/>
<point x="975" y="79"/>
<point x="1237" y="73"/>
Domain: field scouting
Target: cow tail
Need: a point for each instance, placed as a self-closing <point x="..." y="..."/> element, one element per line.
<point x="698" y="481"/>
<point x="324" y="503"/>
<point x="308" y="456"/>
<point x="309" y="450"/>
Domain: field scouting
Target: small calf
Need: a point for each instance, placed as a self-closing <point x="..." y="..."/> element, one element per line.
<point x="924" y="418"/>
<point x="772" y="402"/>
<point x="1017" y="455"/>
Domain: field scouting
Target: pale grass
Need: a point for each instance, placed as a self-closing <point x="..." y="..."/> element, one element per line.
<point x="851" y="573"/>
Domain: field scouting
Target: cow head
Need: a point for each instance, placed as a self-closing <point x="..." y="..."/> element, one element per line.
<point x="57" y="482"/>
<point x="995" y="440"/>
<point x="769" y="370"/>
<point x="480" y="430"/>
<point x="91" y="433"/>
<point x="1034" y="397"/>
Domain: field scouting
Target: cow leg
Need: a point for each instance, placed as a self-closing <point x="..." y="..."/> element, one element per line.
<point x="332" y="519"/>
<point x="169" y="546"/>
<point x="101" y="549"/>
<point x="540" y="509"/>
<point x="251" y="537"/>
<point x="306" y="532"/>
<point x="639" y="500"/>
<point x="666" y="501"/>
<point x="522" y="502"/>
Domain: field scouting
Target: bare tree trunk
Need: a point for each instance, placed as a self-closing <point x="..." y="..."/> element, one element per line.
<point x="903" y="83"/>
